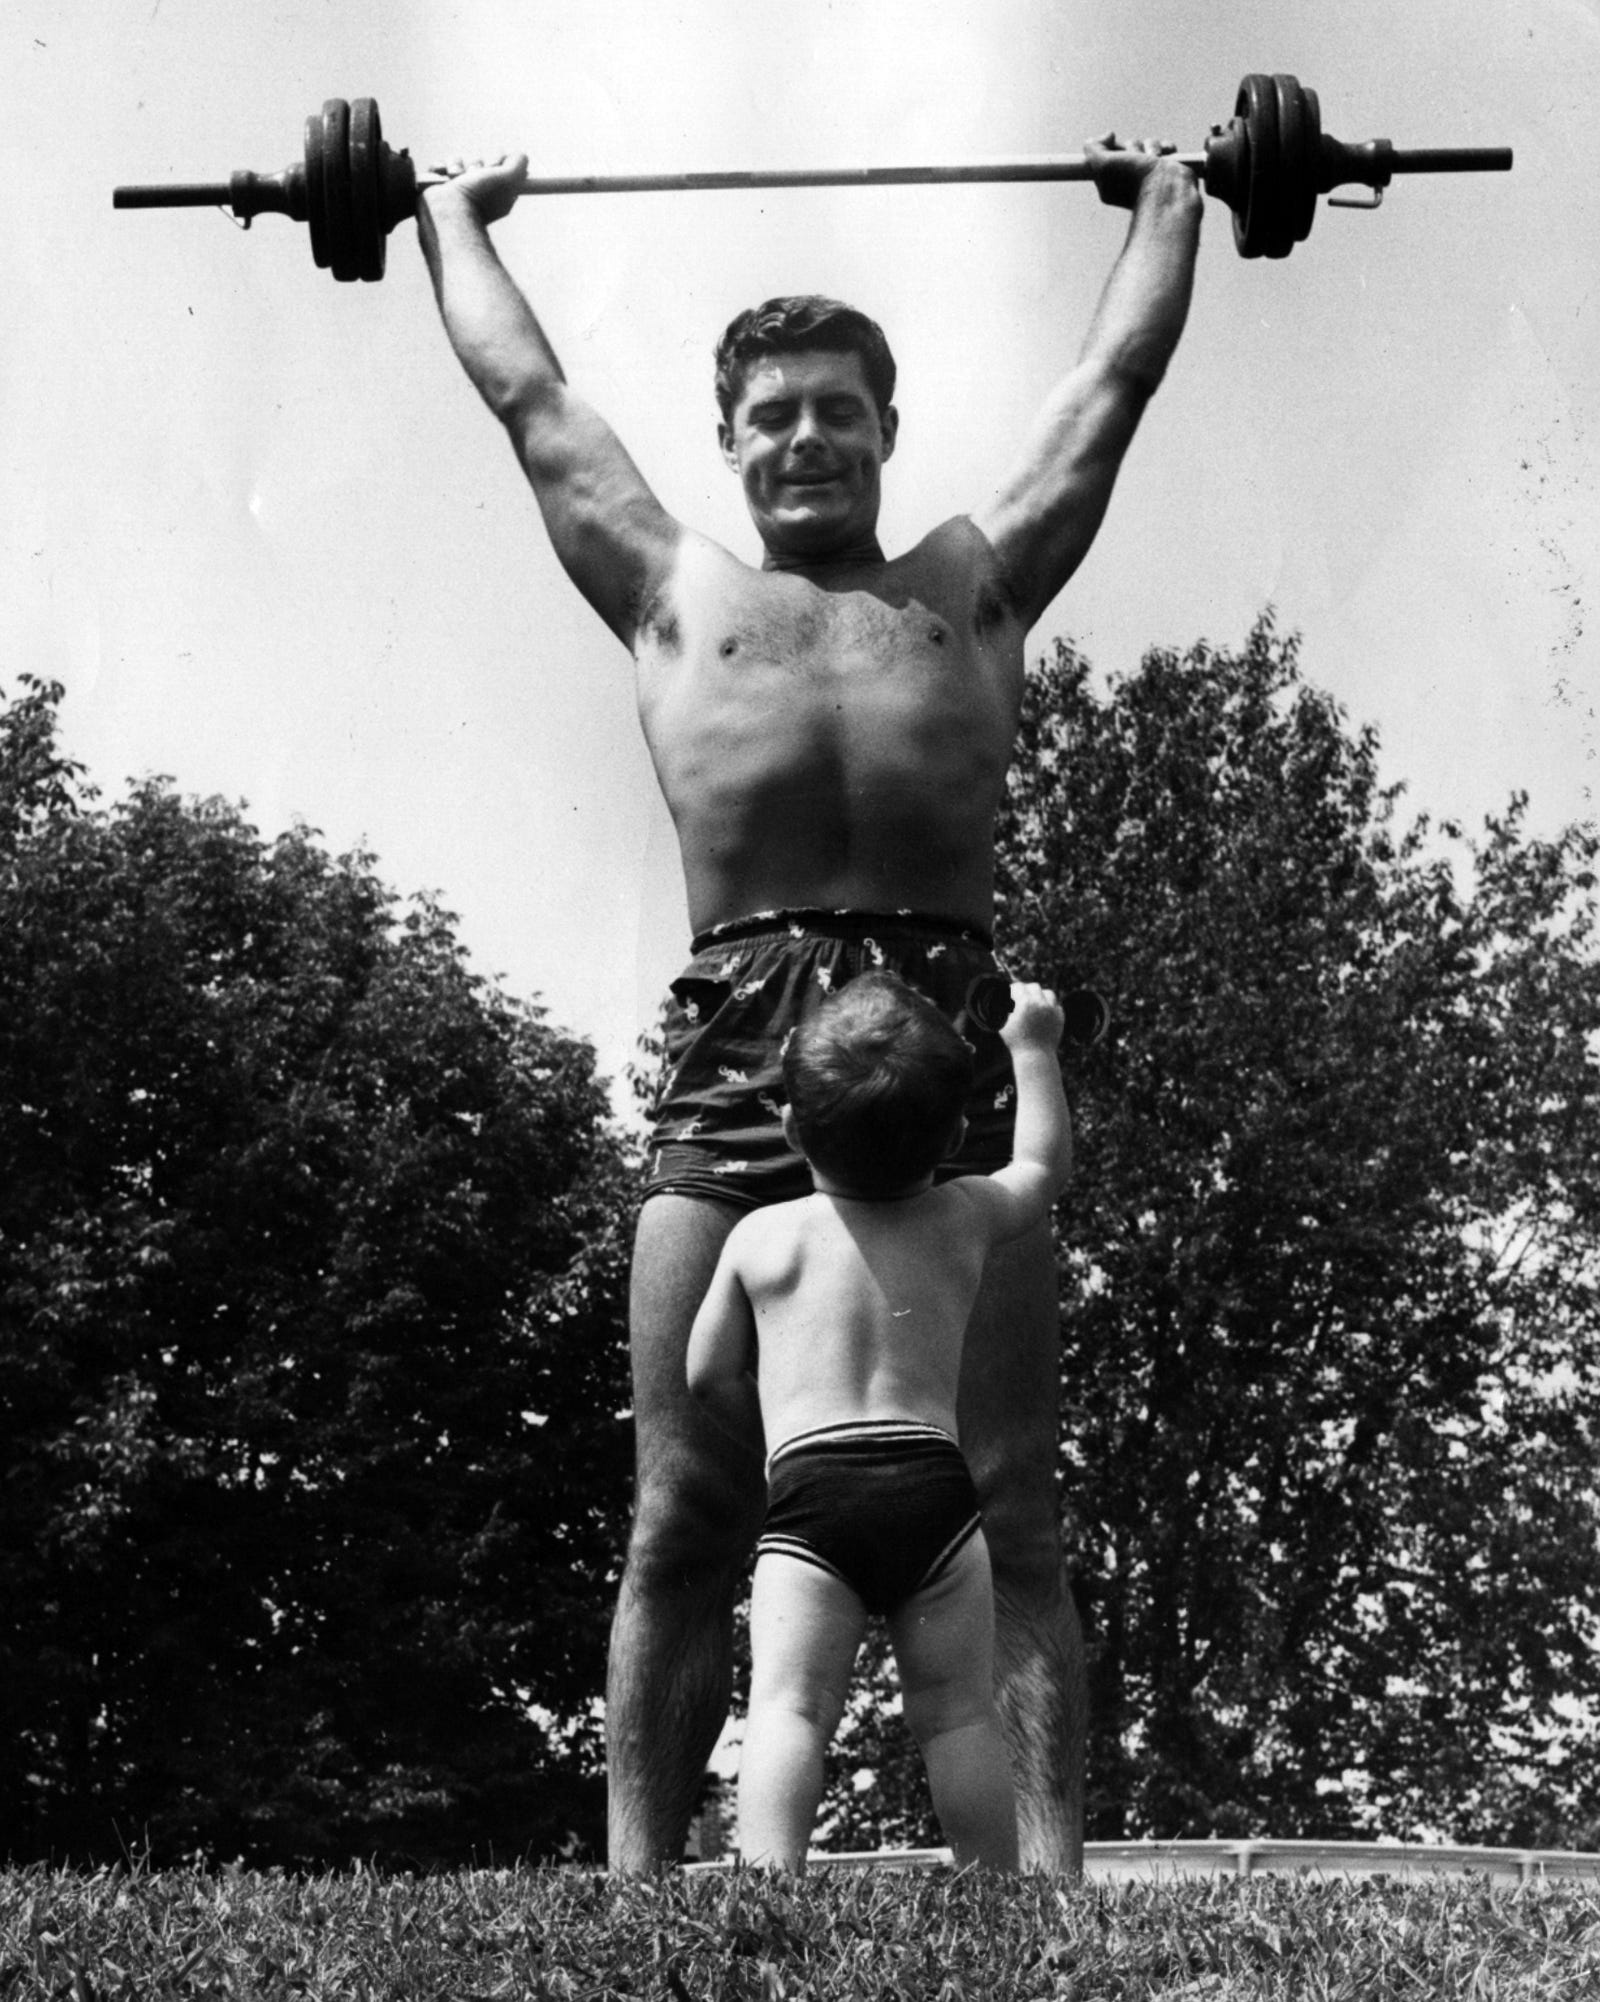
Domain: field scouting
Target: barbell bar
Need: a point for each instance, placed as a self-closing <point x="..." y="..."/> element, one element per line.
<point x="1268" y="164"/>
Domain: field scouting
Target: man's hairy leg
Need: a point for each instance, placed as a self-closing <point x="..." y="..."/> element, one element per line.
<point x="697" y="1509"/>
<point x="1010" y="1406"/>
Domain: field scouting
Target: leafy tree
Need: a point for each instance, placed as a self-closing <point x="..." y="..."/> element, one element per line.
<point x="1331" y="1273"/>
<point x="313" y="1453"/>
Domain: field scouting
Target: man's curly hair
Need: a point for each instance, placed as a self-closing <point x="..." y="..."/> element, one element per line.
<point x="797" y="324"/>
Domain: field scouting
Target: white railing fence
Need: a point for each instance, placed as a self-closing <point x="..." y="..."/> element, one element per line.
<point x="1104" y="1861"/>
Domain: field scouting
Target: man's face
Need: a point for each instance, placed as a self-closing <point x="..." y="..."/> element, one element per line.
<point x="808" y="444"/>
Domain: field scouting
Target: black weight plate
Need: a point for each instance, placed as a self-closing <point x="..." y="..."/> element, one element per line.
<point x="1288" y="181"/>
<point x="337" y="197"/>
<point x="366" y="188"/>
<point x="988" y="1004"/>
<point x="314" y="204"/>
<point x="1246" y="228"/>
<point x="1085" y="1017"/>
<point x="1262" y="233"/>
<point x="1313" y="115"/>
<point x="1297" y="188"/>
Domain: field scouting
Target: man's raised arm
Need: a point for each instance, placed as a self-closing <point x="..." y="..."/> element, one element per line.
<point x="1044" y="518"/>
<point x="613" y="536"/>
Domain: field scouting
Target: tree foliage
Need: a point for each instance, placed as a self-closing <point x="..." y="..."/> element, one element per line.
<point x="1331" y="1271"/>
<point x="313" y="1453"/>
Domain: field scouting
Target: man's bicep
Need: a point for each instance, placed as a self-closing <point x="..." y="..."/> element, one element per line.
<point x="613" y="537"/>
<point x="1048" y="511"/>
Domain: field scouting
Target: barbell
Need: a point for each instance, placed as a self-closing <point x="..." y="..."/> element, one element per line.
<point x="1269" y="163"/>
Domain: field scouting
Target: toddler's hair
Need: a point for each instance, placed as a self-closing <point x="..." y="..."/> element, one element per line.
<point x="877" y="1079"/>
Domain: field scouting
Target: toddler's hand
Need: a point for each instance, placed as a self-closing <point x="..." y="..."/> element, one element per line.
<point x="1035" y="1017"/>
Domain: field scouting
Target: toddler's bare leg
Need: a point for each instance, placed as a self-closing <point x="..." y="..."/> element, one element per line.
<point x="805" y="1630"/>
<point x="944" y="1647"/>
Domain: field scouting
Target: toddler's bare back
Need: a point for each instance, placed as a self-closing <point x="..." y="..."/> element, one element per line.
<point x="860" y="1306"/>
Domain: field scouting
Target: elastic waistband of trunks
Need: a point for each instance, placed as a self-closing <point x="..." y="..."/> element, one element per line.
<point x="869" y="1434"/>
<point x="841" y="924"/>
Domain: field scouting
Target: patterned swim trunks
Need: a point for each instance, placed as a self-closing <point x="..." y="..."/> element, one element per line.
<point x="717" y="1129"/>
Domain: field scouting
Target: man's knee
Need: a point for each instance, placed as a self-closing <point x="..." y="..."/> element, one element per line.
<point x="1022" y="1523"/>
<point x="693" y="1526"/>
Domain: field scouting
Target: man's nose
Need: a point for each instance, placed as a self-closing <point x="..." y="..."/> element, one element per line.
<point x="807" y="427"/>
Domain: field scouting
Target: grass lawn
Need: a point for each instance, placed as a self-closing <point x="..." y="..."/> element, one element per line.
<point x="144" y="1936"/>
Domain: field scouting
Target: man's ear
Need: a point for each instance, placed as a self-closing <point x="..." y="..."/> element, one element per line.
<point x="730" y="454"/>
<point x="957" y="1138"/>
<point x="890" y="421"/>
<point x="791" y="1130"/>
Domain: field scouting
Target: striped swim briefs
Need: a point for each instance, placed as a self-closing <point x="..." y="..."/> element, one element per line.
<point x="884" y="1505"/>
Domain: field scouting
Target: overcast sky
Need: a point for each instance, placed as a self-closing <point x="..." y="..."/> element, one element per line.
<point x="259" y="526"/>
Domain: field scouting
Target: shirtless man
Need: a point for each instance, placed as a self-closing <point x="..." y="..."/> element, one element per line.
<point x="831" y="732"/>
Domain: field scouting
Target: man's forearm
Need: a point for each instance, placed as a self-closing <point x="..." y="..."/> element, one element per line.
<point x="1142" y="311"/>
<point x="491" y="326"/>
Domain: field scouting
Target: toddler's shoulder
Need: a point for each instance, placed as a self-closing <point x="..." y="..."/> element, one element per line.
<point x="971" y="1206"/>
<point x="769" y="1232"/>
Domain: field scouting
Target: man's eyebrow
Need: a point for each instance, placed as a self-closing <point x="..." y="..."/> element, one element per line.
<point x="833" y="399"/>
